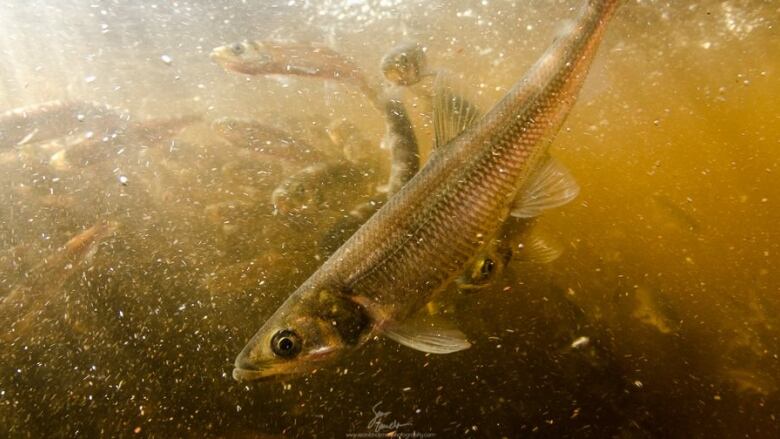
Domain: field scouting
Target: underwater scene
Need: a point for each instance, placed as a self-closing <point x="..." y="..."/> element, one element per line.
<point x="389" y="218"/>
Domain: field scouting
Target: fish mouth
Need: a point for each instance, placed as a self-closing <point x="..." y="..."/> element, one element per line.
<point x="248" y="374"/>
<point x="246" y="370"/>
<point x="223" y="56"/>
<point x="217" y="54"/>
<point x="261" y="373"/>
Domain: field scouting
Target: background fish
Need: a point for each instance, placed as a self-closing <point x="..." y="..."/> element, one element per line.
<point x="266" y="140"/>
<point x="317" y="61"/>
<point x="289" y="58"/>
<point x="405" y="64"/>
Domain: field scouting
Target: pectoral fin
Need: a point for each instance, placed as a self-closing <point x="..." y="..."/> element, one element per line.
<point x="552" y="185"/>
<point x="539" y="248"/>
<point x="452" y="112"/>
<point x="427" y="334"/>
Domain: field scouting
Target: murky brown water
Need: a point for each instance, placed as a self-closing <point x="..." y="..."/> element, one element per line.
<point x="659" y="320"/>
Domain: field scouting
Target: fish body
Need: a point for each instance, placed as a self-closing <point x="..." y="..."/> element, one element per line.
<point x="318" y="187"/>
<point x="290" y="58"/>
<point x="353" y="145"/>
<point x="266" y="140"/>
<point x="678" y="214"/>
<point x="57" y="119"/>
<point x="400" y="139"/>
<point x="425" y="235"/>
<point x="42" y="282"/>
<point x="85" y="150"/>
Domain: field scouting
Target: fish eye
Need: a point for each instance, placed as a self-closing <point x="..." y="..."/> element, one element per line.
<point x="237" y="48"/>
<point x="487" y="267"/>
<point x="286" y="343"/>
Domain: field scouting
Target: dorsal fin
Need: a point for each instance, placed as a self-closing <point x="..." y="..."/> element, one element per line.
<point x="552" y="185"/>
<point x="452" y="112"/>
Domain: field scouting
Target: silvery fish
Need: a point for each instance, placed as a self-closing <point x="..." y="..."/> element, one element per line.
<point x="520" y="240"/>
<point x="318" y="187"/>
<point x="290" y="58"/>
<point x="266" y="140"/>
<point x="483" y="170"/>
<point x="57" y="119"/>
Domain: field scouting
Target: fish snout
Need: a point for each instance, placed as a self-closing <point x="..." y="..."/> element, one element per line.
<point x="221" y="52"/>
<point x="245" y="368"/>
<point x="244" y="362"/>
<point x="247" y="358"/>
<point x="242" y="374"/>
<point x="282" y="202"/>
<point x="222" y="57"/>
